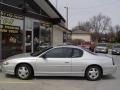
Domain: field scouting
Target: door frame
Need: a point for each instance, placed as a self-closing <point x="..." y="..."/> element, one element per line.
<point x="27" y="19"/>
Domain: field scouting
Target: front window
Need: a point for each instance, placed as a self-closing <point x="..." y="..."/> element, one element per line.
<point x="116" y="46"/>
<point x="59" y="53"/>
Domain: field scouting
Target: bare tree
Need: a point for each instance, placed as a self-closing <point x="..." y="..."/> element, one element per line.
<point x="117" y="31"/>
<point x="111" y="35"/>
<point x="100" y="24"/>
<point x="97" y="25"/>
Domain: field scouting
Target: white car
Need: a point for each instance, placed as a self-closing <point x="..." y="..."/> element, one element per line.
<point x="60" y="61"/>
<point x="101" y="48"/>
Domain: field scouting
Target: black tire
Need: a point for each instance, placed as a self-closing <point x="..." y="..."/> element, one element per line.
<point x="27" y="68"/>
<point x="99" y="74"/>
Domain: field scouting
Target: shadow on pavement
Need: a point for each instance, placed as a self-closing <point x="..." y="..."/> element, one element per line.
<point x="60" y="78"/>
<point x="107" y="77"/>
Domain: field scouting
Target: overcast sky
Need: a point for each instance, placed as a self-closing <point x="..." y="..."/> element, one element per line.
<point x="82" y="10"/>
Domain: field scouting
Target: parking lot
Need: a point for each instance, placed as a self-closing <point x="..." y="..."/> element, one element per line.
<point x="62" y="83"/>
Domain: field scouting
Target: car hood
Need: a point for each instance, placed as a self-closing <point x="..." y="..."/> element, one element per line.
<point x="25" y="55"/>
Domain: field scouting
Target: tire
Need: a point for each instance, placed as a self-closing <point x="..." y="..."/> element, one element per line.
<point x="24" y="72"/>
<point x="93" y="73"/>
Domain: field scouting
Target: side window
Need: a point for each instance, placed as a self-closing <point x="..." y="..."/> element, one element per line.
<point x="59" y="53"/>
<point x="77" y="53"/>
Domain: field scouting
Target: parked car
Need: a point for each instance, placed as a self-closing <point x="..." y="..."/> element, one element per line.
<point x="101" y="48"/>
<point x="60" y="61"/>
<point x="116" y="49"/>
<point x="88" y="45"/>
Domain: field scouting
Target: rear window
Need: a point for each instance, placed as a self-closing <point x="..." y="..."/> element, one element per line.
<point x="89" y="51"/>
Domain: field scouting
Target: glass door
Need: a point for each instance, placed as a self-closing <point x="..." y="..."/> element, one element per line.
<point x="36" y="36"/>
<point x="28" y="41"/>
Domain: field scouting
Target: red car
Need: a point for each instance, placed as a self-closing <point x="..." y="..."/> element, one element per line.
<point x="88" y="45"/>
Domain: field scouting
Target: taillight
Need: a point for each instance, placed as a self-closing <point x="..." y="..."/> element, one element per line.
<point x="113" y="61"/>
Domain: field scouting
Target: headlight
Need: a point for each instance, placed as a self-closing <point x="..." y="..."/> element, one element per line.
<point x="6" y="63"/>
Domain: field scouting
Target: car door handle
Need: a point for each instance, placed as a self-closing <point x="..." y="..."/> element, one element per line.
<point x="67" y="62"/>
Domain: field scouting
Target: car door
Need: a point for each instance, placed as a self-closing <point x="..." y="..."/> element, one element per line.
<point x="78" y="63"/>
<point x="56" y="61"/>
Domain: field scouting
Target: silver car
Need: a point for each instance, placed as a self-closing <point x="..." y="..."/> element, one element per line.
<point x="60" y="61"/>
<point x="101" y="48"/>
<point x="116" y="49"/>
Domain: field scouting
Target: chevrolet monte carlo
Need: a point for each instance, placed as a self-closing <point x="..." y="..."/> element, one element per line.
<point x="60" y="61"/>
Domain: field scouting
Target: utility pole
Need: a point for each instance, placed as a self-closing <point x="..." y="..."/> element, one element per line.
<point x="56" y="4"/>
<point x="67" y="17"/>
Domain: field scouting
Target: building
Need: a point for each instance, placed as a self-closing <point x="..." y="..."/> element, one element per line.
<point x="28" y="25"/>
<point x="81" y="35"/>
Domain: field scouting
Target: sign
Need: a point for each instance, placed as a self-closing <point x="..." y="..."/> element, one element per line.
<point x="11" y="19"/>
<point x="9" y="29"/>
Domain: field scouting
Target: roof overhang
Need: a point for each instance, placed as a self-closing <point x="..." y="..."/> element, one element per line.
<point x="49" y="9"/>
<point x="19" y="11"/>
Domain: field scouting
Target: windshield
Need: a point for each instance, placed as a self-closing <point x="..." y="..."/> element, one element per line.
<point x="103" y="45"/>
<point x="116" y="46"/>
<point x="40" y="52"/>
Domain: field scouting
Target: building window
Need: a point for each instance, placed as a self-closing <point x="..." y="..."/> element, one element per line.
<point x="11" y="44"/>
<point x="45" y="36"/>
<point x="11" y="26"/>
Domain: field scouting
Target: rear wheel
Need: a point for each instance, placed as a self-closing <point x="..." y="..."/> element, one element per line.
<point x="93" y="73"/>
<point x="24" y="72"/>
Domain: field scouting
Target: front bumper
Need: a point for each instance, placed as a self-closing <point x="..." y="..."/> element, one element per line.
<point x="8" y="69"/>
<point x="109" y="70"/>
<point x="116" y="52"/>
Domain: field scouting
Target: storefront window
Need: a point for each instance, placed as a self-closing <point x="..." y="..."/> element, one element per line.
<point x="45" y="36"/>
<point x="11" y="44"/>
<point x="11" y="27"/>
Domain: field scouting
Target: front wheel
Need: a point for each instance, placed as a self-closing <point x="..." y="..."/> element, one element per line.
<point x="24" y="72"/>
<point x="93" y="73"/>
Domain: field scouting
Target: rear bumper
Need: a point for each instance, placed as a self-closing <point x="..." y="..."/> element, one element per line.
<point x="110" y="70"/>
